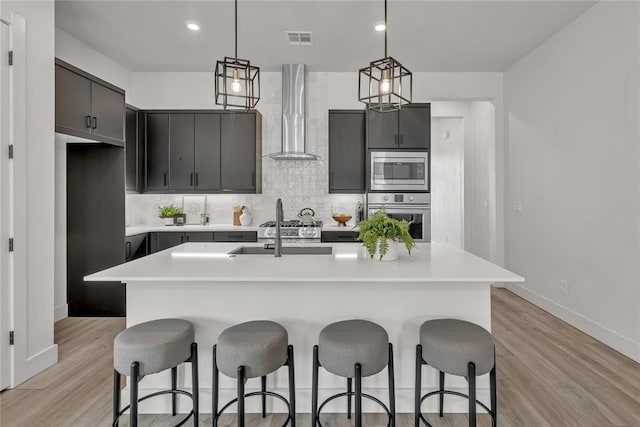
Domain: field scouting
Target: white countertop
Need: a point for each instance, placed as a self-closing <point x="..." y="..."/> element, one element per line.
<point x="130" y="231"/>
<point x="209" y="262"/>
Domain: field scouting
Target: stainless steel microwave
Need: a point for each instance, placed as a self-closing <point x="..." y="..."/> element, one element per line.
<point x="399" y="171"/>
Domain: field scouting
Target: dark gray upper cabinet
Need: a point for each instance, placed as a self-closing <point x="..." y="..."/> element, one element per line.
<point x="157" y="151"/>
<point x="407" y="128"/>
<point x="88" y="107"/>
<point x="207" y="152"/>
<point x="238" y="165"/>
<point x="181" y="152"/>
<point x="134" y="150"/>
<point x="346" y="151"/>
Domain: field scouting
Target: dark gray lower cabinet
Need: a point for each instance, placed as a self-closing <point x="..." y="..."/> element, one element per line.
<point x="347" y="151"/>
<point x="346" y="236"/>
<point x="198" y="236"/>
<point x="164" y="240"/>
<point x="235" y="236"/>
<point x="135" y="247"/>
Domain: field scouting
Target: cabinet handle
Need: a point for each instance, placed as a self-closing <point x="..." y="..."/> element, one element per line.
<point x="400" y="139"/>
<point x="196" y="179"/>
<point x="127" y="252"/>
<point x="181" y="239"/>
<point x="253" y="179"/>
<point x="165" y="179"/>
<point x="191" y="179"/>
<point x="188" y="238"/>
<point x="87" y="121"/>
<point x="395" y="140"/>
<point x="94" y="123"/>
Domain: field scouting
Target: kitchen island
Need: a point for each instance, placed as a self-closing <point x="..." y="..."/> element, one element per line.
<point x="203" y="283"/>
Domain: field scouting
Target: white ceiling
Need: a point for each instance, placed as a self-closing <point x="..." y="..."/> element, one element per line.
<point x="442" y="36"/>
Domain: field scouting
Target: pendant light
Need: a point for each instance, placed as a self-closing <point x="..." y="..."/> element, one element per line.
<point x="385" y="85"/>
<point x="237" y="82"/>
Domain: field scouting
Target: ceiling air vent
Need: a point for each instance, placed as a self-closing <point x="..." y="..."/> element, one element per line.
<point x="299" y="38"/>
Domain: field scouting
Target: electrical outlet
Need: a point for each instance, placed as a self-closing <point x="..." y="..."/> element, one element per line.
<point x="517" y="206"/>
<point x="564" y="287"/>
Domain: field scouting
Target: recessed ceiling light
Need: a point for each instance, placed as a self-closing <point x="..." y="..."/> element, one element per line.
<point x="193" y="26"/>
<point x="380" y="26"/>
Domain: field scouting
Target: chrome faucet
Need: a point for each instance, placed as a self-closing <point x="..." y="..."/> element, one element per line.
<point x="279" y="219"/>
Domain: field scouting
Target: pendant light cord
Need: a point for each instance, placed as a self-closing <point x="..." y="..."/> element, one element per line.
<point x="385" y="28"/>
<point x="236" y="29"/>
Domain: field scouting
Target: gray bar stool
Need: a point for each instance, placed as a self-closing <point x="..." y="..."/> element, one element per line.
<point x="152" y="347"/>
<point x="353" y="349"/>
<point x="250" y="350"/>
<point x="456" y="347"/>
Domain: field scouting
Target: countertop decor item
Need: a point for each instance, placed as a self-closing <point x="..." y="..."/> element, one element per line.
<point x="237" y="211"/>
<point x="380" y="235"/>
<point x="193" y="207"/>
<point x="306" y="216"/>
<point x="237" y="82"/>
<point x="245" y="217"/>
<point x="168" y="212"/>
<point x="340" y="215"/>
<point x="384" y="85"/>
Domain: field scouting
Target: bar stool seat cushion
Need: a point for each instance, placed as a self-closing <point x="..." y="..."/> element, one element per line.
<point x="260" y="346"/>
<point x="343" y="344"/>
<point x="156" y="345"/>
<point x="450" y="344"/>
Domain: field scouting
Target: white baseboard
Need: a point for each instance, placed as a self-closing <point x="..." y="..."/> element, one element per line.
<point x="609" y="337"/>
<point x="42" y="360"/>
<point x="60" y="312"/>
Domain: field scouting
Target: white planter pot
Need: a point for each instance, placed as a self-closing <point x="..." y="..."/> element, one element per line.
<point x="392" y="252"/>
<point x="168" y="221"/>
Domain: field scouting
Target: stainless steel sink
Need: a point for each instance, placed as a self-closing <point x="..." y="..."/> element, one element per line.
<point x="286" y="250"/>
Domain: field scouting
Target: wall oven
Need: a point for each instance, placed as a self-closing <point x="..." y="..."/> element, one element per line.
<point x="399" y="171"/>
<point x="412" y="207"/>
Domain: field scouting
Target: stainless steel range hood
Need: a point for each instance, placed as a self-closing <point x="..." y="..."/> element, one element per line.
<point x="293" y="115"/>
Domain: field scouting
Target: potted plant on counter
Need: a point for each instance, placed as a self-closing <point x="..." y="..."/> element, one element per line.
<point x="380" y="235"/>
<point x="168" y="212"/>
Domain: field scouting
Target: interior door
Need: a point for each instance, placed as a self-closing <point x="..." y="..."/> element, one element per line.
<point x="5" y="211"/>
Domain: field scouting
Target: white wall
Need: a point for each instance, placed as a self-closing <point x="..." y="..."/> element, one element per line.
<point x="77" y="53"/>
<point x="573" y="133"/>
<point x="35" y="350"/>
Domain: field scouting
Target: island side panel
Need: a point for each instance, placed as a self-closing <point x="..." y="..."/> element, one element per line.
<point x="304" y="308"/>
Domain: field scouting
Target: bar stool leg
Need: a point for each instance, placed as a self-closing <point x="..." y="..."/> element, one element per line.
<point x="418" y="385"/>
<point x="472" y="394"/>
<point x="195" y="384"/>
<point x="241" y="396"/>
<point x="174" y="386"/>
<point x="494" y="398"/>
<point x="314" y="388"/>
<point x="292" y="386"/>
<point x="392" y="387"/>
<point x="214" y="391"/>
<point x="358" y="411"/>
<point x="263" y="388"/>
<point x="441" y="394"/>
<point x="349" y="390"/>
<point x="133" y="409"/>
<point x="116" y="396"/>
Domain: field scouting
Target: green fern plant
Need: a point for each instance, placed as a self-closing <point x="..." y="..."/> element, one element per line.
<point x="380" y="227"/>
<point x="169" y="211"/>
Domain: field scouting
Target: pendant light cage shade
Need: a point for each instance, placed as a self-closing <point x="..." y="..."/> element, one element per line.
<point x="237" y="83"/>
<point x="385" y="85"/>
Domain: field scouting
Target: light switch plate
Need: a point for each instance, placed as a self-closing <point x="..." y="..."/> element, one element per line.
<point x="517" y="206"/>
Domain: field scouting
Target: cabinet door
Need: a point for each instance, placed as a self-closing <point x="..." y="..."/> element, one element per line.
<point x="73" y="102"/>
<point x="207" y="151"/>
<point x="131" y="150"/>
<point x="415" y="126"/>
<point x="199" y="236"/>
<point x="181" y="155"/>
<point x="238" y="152"/>
<point x="346" y="152"/>
<point x="135" y="247"/>
<point x="107" y="109"/>
<point x="382" y="129"/>
<point x="157" y="146"/>
<point x="235" y="236"/>
<point x="170" y="239"/>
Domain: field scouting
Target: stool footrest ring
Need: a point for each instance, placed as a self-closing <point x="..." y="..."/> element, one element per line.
<point x="260" y="393"/>
<point x="454" y="393"/>
<point x="158" y="393"/>
<point x="351" y="393"/>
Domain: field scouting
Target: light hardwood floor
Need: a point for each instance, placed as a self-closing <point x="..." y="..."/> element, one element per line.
<point x="549" y="374"/>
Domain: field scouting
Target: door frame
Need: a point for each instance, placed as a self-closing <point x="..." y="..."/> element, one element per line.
<point x="16" y="288"/>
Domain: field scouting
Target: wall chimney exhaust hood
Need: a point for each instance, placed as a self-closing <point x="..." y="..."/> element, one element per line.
<point x="293" y="115"/>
